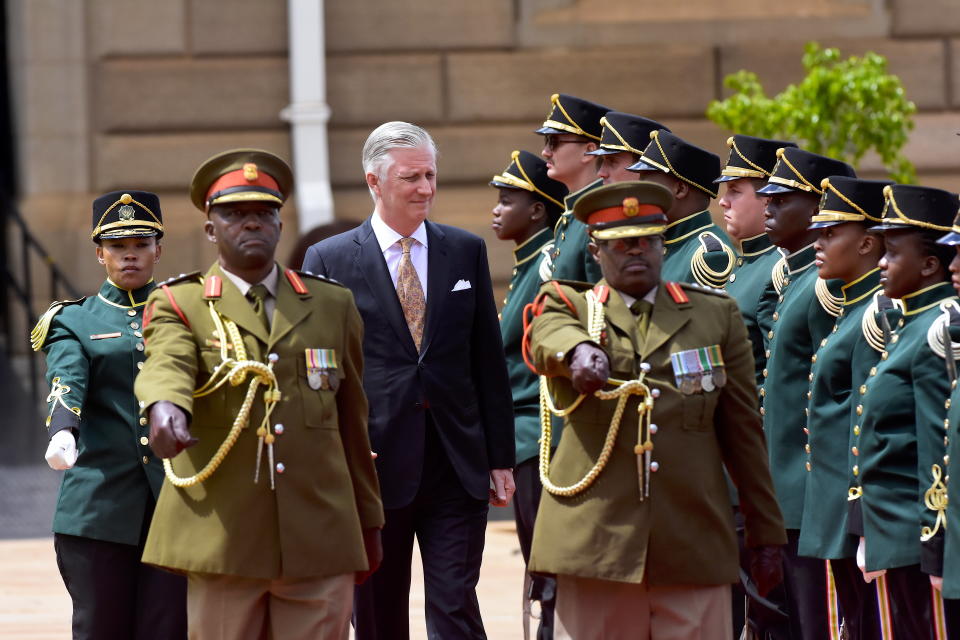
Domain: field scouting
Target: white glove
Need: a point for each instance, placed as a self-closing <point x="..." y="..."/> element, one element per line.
<point x="62" y="451"/>
<point x="868" y="576"/>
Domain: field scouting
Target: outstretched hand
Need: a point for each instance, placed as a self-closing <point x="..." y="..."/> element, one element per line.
<point x="589" y="368"/>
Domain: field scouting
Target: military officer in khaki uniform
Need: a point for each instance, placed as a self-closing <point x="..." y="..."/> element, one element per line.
<point x="697" y="250"/>
<point x="655" y="380"/>
<point x="271" y="504"/>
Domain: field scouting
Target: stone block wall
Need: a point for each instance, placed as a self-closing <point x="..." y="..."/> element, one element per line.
<point x="136" y="93"/>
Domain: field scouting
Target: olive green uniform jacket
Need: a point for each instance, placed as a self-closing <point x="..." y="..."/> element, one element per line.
<point x="697" y="251"/>
<point x="683" y="532"/>
<point x="568" y="259"/>
<point x="94" y="349"/>
<point x="844" y="359"/>
<point x="524" y="383"/>
<point x="327" y="493"/>
<point x="901" y="423"/>
<point x="749" y="284"/>
<point x="800" y="322"/>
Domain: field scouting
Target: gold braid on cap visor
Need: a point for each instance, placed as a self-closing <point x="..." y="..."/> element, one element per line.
<point x="803" y="185"/>
<point x="625" y="146"/>
<point x="740" y="172"/>
<point x="901" y="218"/>
<point x="126" y="199"/>
<point x="669" y="168"/>
<point x="828" y="215"/>
<point x="575" y="128"/>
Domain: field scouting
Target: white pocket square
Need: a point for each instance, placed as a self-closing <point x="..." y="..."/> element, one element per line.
<point x="461" y="285"/>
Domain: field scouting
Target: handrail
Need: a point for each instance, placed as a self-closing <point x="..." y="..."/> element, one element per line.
<point x="21" y="288"/>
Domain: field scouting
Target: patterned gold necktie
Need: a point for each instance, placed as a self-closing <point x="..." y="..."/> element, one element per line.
<point x="410" y="292"/>
<point x="642" y="309"/>
<point x="257" y="294"/>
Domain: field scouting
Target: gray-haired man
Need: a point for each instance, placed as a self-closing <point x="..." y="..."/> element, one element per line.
<point x="441" y="418"/>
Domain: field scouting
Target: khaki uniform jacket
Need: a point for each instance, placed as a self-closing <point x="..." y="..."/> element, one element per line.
<point x="310" y="525"/>
<point x="683" y="533"/>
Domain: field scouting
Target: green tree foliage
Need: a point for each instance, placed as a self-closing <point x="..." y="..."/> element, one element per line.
<point x="841" y="109"/>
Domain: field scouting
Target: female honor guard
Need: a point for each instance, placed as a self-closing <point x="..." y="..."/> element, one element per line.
<point x="901" y="412"/>
<point x="847" y="252"/>
<point x="528" y="206"/>
<point x="94" y="349"/>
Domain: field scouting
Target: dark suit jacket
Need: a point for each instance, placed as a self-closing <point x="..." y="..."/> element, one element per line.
<point x="459" y="375"/>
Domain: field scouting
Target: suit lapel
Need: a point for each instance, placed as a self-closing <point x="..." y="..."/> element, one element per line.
<point x="437" y="269"/>
<point x="290" y="309"/>
<point x="667" y="319"/>
<point x="234" y="306"/>
<point x="369" y="261"/>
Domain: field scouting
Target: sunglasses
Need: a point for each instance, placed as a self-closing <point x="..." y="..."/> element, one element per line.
<point x="622" y="245"/>
<point x="551" y="142"/>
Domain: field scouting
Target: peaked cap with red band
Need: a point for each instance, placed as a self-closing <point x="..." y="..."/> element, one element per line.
<point x="624" y="210"/>
<point x="241" y="175"/>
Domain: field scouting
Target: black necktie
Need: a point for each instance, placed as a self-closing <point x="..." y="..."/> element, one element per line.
<point x="257" y="295"/>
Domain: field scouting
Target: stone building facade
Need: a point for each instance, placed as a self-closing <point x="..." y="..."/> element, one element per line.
<point x="136" y="93"/>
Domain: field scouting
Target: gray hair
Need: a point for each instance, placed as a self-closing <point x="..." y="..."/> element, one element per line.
<point x="390" y="136"/>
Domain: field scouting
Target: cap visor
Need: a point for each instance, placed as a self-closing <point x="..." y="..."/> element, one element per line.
<point x="827" y="223"/>
<point x="771" y="189"/>
<point x="601" y="152"/>
<point x="247" y="196"/>
<point x="893" y="227"/>
<point x="725" y="179"/>
<point x="952" y="239"/>
<point x="643" y="166"/>
<point x="549" y="131"/>
<point x="503" y="185"/>
<point x="128" y="233"/>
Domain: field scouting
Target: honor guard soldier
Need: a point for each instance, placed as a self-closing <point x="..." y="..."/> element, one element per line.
<point x="271" y="505"/>
<point x="654" y="380"/>
<point x="750" y="163"/>
<point x="528" y="206"/>
<point x="698" y="251"/>
<point x="949" y="582"/>
<point x="900" y="413"/>
<point x="571" y="130"/>
<point x="804" y="314"/>
<point x="622" y="141"/>
<point x="847" y="252"/>
<point x="94" y="349"/>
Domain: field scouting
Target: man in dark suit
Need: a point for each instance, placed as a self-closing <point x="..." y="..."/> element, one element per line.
<point x="441" y="421"/>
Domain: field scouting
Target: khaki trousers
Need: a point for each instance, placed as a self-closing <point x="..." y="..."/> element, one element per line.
<point x="589" y="609"/>
<point x="221" y="607"/>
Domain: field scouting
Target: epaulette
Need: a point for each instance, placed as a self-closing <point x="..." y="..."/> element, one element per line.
<point x="939" y="339"/>
<point x="183" y="277"/>
<point x="705" y="273"/>
<point x="874" y="327"/>
<point x="315" y="276"/>
<point x="693" y="286"/>
<point x="830" y="303"/>
<point x="573" y="284"/>
<point x="39" y="333"/>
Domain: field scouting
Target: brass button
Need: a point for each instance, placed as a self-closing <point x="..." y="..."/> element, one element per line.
<point x="770" y="335"/>
<point x="563" y="236"/>
<point x="809" y="466"/>
<point x="808" y="395"/>
<point x="810" y="377"/>
<point x="763" y="411"/>
<point x="134" y="325"/>
<point x="823" y="342"/>
<point x="764" y="373"/>
<point x="138" y="334"/>
<point x="806" y="411"/>
<point x="776" y="316"/>
<point x="739" y="262"/>
<point x="884" y="355"/>
<point x="813" y="358"/>
<point x="806" y="430"/>
<point x="144" y="441"/>
<point x="859" y="409"/>
<point x="143" y="421"/>
<point x="863" y="389"/>
<point x="131" y="312"/>
<point x="806" y="448"/>
<point x="140" y="365"/>
<point x="763" y="392"/>
<point x="767" y="353"/>
<point x="733" y="277"/>
<point x="873" y="371"/>
<point x="510" y="287"/>
<point x="946" y="405"/>
<point x="145" y="459"/>
<point x="856" y="470"/>
<point x="855" y="451"/>
<point x="856" y="429"/>
<point x="946" y="459"/>
<point x="139" y="346"/>
<point x="894" y="338"/>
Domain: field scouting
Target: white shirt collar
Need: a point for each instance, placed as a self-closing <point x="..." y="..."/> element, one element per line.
<point x="270" y="282"/>
<point x="629" y="299"/>
<point x="387" y="237"/>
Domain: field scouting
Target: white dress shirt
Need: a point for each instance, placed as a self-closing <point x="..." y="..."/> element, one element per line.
<point x="629" y="299"/>
<point x="270" y="282"/>
<point x="388" y="239"/>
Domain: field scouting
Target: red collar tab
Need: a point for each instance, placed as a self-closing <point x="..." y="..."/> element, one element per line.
<point x="294" y="278"/>
<point x="677" y="293"/>
<point x="602" y="292"/>
<point x="213" y="287"/>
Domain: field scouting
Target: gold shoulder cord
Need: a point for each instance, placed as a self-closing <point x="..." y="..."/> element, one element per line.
<point x="779" y="274"/>
<point x="704" y="274"/>
<point x="235" y="371"/>
<point x="935" y="339"/>
<point x="872" y="332"/>
<point x="625" y="388"/>
<point x="831" y="304"/>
